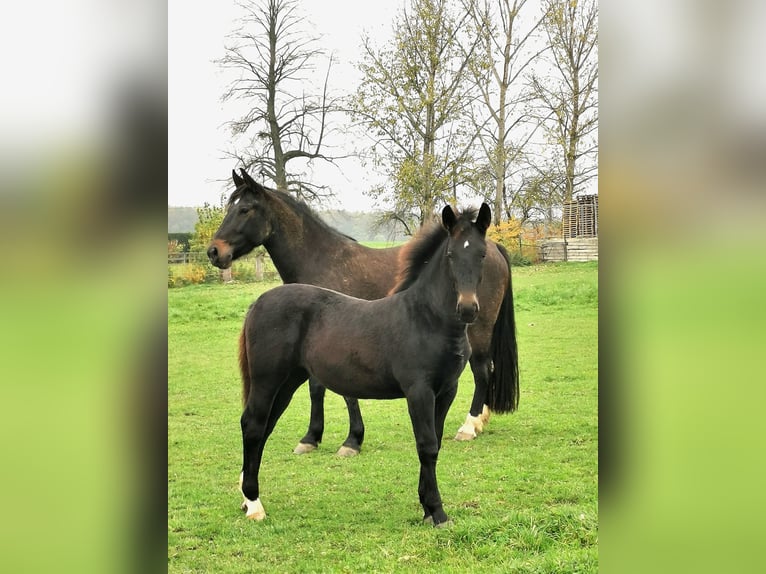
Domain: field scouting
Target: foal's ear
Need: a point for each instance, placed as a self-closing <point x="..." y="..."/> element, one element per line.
<point x="237" y="180"/>
<point x="484" y="218"/>
<point x="448" y="217"/>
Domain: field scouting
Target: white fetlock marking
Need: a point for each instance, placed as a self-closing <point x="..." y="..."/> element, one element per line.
<point x="255" y="509"/>
<point x="469" y="426"/>
<point x="476" y="422"/>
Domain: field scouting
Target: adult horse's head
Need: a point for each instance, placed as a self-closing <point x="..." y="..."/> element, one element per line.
<point x="466" y="249"/>
<point x="245" y="225"/>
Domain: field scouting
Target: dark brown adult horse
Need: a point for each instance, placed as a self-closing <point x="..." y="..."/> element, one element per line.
<point x="304" y="249"/>
<point x="411" y="345"/>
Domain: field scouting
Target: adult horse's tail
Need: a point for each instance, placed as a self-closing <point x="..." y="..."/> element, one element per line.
<point x="503" y="389"/>
<point x="244" y="367"/>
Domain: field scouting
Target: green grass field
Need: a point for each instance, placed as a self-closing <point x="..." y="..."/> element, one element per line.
<point x="523" y="496"/>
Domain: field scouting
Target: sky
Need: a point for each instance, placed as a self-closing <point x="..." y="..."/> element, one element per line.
<point x="197" y="137"/>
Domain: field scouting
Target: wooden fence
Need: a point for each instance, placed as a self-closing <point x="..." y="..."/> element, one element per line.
<point x="252" y="267"/>
<point x="187" y="257"/>
<point x="573" y="249"/>
<point x="580" y="217"/>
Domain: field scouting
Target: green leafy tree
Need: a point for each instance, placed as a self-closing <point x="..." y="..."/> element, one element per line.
<point x="412" y="102"/>
<point x="209" y="218"/>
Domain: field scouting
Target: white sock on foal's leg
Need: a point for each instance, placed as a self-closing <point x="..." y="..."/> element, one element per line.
<point x="253" y="508"/>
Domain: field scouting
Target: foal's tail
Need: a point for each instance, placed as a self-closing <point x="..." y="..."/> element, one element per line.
<point x="503" y="390"/>
<point x="244" y="367"/>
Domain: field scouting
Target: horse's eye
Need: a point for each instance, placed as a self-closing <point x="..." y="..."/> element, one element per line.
<point x="243" y="210"/>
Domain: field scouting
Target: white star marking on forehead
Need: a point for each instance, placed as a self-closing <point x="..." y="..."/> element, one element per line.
<point x="465" y="245"/>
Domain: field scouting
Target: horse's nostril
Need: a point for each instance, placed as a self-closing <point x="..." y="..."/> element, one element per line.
<point x="212" y="251"/>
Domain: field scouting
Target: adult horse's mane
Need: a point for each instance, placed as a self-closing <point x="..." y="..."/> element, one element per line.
<point x="418" y="252"/>
<point x="299" y="207"/>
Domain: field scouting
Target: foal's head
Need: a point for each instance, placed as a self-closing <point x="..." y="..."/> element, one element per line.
<point x="461" y="241"/>
<point x="246" y="224"/>
<point x="466" y="249"/>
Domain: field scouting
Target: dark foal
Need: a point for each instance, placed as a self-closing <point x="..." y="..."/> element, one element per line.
<point x="410" y="345"/>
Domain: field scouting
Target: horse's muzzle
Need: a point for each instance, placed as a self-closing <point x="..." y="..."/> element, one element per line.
<point x="220" y="254"/>
<point x="467" y="308"/>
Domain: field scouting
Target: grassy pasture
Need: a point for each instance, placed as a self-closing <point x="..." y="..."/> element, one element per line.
<point x="523" y="497"/>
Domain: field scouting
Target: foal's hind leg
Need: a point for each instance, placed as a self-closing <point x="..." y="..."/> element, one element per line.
<point x="313" y="436"/>
<point x="258" y="422"/>
<point x="478" y="416"/>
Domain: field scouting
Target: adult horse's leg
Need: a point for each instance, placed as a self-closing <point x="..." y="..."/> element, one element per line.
<point x="353" y="443"/>
<point x="313" y="435"/>
<point x="310" y="442"/>
<point x="478" y="415"/>
<point x="444" y="401"/>
<point x="258" y="422"/>
<point x="421" y="404"/>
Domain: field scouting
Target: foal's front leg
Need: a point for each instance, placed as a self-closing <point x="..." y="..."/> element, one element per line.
<point x="421" y="403"/>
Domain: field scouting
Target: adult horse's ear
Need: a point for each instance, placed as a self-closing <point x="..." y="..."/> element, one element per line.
<point x="448" y="217"/>
<point x="246" y="176"/>
<point x="237" y="180"/>
<point x="484" y="218"/>
<point x="255" y="186"/>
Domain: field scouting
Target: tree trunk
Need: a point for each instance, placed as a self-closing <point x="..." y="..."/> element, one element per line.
<point x="280" y="178"/>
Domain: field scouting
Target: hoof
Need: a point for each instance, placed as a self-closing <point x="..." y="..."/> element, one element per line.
<point x="304" y="448"/>
<point x="470" y="429"/>
<point x="430" y="521"/>
<point x="254" y="509"/>
<point x="347" y="451"/>
<point x="463" y="436"/>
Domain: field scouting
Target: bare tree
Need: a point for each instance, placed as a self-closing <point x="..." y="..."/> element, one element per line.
<point x="568" y="99"/>
<point x="505" y="53"/>
<point x="412" y="104"/>
<point x="273" y="55"/>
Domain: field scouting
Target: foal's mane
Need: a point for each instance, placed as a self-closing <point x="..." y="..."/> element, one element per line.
<point x="300" y="208"/>
<point x="416" y="254"/>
